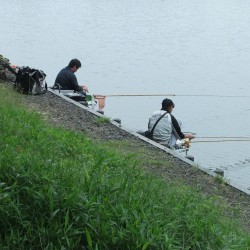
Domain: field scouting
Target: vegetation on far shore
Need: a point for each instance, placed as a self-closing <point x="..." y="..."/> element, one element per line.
<point x="59" y="190"/>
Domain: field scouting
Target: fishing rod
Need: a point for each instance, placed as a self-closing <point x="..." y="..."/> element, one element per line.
<point x="198" y="95"/>
<point x="225" y="140"/>
<point x="222" y="137"/>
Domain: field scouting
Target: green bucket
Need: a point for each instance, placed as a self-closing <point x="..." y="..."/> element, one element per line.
<point x="89" y="98"/>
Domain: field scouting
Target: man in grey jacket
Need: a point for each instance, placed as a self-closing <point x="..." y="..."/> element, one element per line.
<point x="168" y="129"/>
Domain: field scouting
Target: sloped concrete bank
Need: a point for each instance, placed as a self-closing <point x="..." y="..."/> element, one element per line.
<point x="58" y="111"/>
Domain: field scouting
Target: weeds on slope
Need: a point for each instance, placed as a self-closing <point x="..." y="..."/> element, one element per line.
<point x="58" y="190"/>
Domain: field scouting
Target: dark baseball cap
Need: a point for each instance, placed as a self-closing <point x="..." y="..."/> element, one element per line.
<point x="167" y="102"/>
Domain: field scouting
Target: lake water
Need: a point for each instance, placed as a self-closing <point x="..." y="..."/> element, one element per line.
<point x="195" y="52"/>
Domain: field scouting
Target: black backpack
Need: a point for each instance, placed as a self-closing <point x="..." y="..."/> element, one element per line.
<point x="30" y="81"/>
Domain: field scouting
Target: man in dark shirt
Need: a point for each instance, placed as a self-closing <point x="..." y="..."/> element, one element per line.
<point x="66" y="78"/>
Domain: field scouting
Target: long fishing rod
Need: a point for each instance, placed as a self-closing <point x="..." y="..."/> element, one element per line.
<point x="198" y="95"/>
<point x="128" y="95"/>
<point x="222" y="137"/>
<point x="225" y="140"/>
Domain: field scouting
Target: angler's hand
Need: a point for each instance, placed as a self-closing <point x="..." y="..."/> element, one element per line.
<point x="189" y="136"/>
<point x="85" y="88"/>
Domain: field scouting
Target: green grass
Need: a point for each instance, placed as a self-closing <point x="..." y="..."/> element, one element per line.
<point x="59" y="190"/>
<point x="102" y="119"/>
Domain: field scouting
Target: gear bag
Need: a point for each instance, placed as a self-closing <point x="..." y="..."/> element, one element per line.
<point x="30" y="81"/>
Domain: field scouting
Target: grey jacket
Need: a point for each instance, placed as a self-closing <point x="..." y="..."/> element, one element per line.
<point x="163" y="129"/>
<point x="167" y="131"/>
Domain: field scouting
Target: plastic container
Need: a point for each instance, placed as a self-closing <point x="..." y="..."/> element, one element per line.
<point x="101" y="100"/>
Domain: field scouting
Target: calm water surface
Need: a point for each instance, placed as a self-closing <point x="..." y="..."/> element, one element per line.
<point x="197" y="50"/>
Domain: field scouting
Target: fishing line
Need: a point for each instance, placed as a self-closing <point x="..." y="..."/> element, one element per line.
<point x="226" y="140"/>
<point x="198" y="95"/>
<point x="221" y="137"/>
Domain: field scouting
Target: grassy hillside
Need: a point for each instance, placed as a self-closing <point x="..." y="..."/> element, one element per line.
<point x="59" y="190"/>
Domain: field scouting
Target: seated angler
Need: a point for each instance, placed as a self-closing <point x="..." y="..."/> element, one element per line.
<point x="66" y="79"/>
<point x="168" y="129"/>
